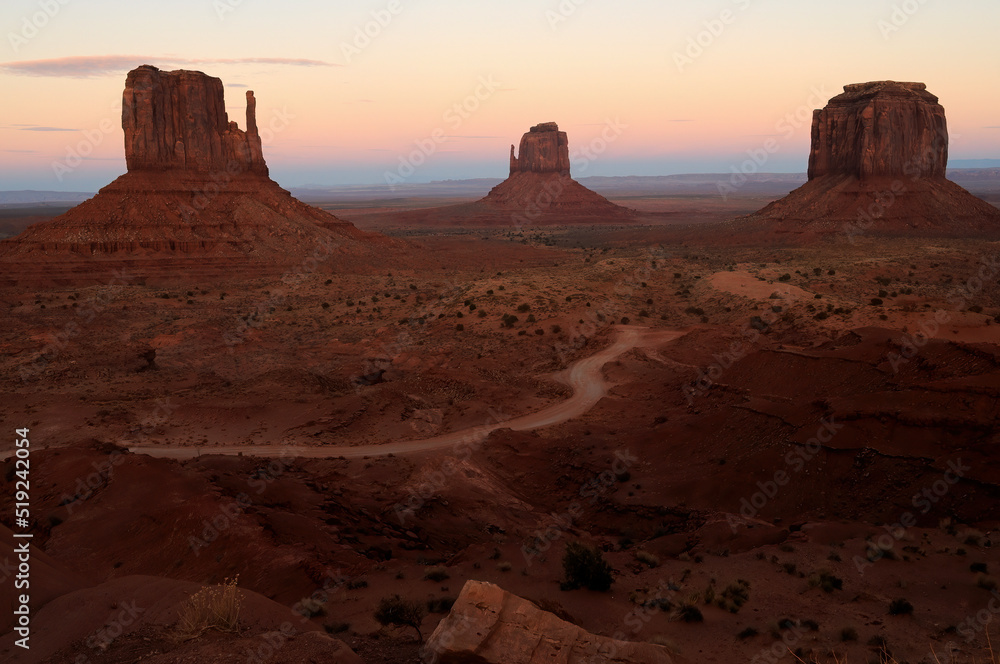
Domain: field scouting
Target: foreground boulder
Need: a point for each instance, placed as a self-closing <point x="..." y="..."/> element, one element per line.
<point x="877" y="165"/>
<point x="488" y="625"/>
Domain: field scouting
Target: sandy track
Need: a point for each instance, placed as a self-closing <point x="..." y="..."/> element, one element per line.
<point x="584" y="377"/>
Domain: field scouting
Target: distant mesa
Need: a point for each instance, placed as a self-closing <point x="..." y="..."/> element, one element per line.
<point x="197" y="186"/>
<point x="540" y="188"/>
<point x="877" y="165"/>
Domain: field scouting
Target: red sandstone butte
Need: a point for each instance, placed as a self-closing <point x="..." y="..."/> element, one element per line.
<point x="877" y="165"/>
<point x="197" y="188"/>
<point x="177" y="121"/>
<point x="544" y="149"/>
<point x="540" y="188"/>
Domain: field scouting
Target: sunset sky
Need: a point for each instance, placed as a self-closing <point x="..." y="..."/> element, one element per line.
<point x="346" y="110"/>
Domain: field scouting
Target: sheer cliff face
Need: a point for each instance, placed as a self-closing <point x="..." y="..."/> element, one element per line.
<point x="877" y="129"/>
<point x="544" y="149"/>
<point x="177" y="121"/>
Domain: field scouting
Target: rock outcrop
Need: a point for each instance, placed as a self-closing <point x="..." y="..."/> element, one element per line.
<point x="877" y="165"/>
<point x="176" y="120"/>
<point x="540" y="189"/>
<point x="197" y="187"/>
<point x="488" y="625"/>
<point x="880" y="129"/>
<point x="544" y="149"/>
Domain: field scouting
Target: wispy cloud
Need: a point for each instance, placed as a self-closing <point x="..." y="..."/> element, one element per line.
<point x="237" y="85"/>
<point x="996" y="127"/>
<point x="89" y="66"/>
<point x="44" y="129"/>
<point x="459" y="136"/>
<point x="21" y="151"/>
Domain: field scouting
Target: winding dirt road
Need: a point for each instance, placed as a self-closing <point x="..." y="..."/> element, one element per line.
<point x="584" y="377"/>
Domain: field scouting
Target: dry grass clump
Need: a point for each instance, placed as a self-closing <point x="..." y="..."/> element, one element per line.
<point x="212" y="607"/>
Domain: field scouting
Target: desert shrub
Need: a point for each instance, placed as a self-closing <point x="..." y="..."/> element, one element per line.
<point x="504" y="566"/>
<point x="785" y="277"/>
<point x="524" y="308"/>
<point x="748" y="633"/>
<point x="585" y="567"/>
<point x="848" y="634"/>
<point x="212" y="607"/>
<point x="397" y="612"/>
<point x="735" y="596"/>
<point x="460" y="328"/>
<point x="556" y="329"/>
<point x="876" y="302"/>
<point x="509" y="320"/>
<point x="986" y="582"/>
<point x="979" y="567"/>
<point x="355" y="584"/>
<point x="647" y="558"/>
<point x="689" y="613"/>
<point x="827" y="581"/>
<point x="438" y="573"/>
<point x="337" y="627"/>
<point x="900" y="607"/>
<point x="696" y="311"/>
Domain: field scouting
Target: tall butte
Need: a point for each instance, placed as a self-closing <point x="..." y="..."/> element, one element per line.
<point x="540" y="188"/>
<point x="877" y="165"/>
<point x="197" y="187"/>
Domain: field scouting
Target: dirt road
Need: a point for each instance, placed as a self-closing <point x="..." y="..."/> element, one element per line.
<point x="585" y="377"/>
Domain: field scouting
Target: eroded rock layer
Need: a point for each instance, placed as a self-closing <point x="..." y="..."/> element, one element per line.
<point x="877" y="165"/>
<point x="197" y="187"/>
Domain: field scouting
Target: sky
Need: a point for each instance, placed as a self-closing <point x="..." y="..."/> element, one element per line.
<point x="365" y="92"/>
